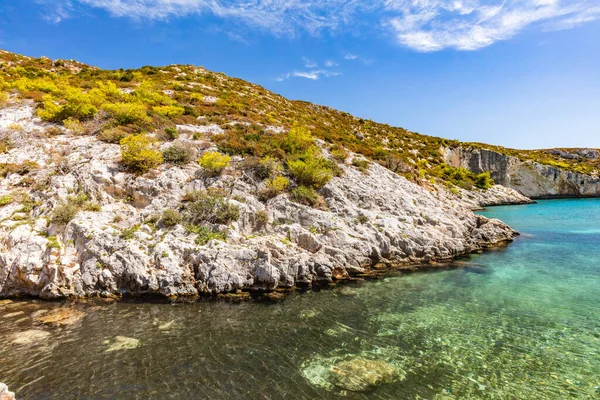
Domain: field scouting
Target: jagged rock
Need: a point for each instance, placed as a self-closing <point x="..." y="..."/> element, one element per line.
<point x="5" y="394"/>
<point x="360" y="375"/>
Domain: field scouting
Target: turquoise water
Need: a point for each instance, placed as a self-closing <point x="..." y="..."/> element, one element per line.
<point x="521" y="322"/>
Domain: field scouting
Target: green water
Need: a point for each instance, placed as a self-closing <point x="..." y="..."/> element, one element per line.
<point x="522" y="322"/>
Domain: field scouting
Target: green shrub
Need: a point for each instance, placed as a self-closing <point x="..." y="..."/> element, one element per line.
<point x="171" y="218"/>
<point x="274" y="187"/>
<point x="205" y="234"/>
<point x="129" y="233"/>
<point x="214" y="163"/>
<point x="209" y="206"/>
<point x="21" y="169"/>
<point x="64" y="212"/>
<point x="297" y="140"/>
<point x="315" y="171"/>
<point x="112" y="135"/>
<point x="171" y="133"/>
<point x="169" y="111"/>
<point x="138" y="153"/>
<point x="262" y="218"/>
<point x="484" y="180"/>
<point x="362" y="165"/>
<point x="305" y="195"/>
<point x="178" y="154"/>
<point x="127" y="113"/>
<point x="5" y="200"/>
<point x="339" y="154"/>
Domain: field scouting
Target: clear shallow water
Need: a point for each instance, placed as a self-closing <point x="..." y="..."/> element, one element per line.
<point x="518" y="322"/>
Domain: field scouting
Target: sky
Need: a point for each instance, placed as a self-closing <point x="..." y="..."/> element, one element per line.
<point x="517" y="73"/>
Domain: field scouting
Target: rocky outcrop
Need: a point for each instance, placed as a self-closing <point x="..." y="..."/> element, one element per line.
<point x="5" y="394"/>
<point x="529" y="178"/>
<point x="117" y="245"/>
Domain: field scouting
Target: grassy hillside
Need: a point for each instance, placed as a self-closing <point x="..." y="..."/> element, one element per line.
<point x="116" y="104"/>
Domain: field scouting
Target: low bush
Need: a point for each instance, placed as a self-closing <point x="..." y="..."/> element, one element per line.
<point x="21" y="169"/>
<point x="112" y="135"/>
<point x="261" y="218"/>
<point x="171" y="133"/>
<point x="362" y="165"/>
<point x="274" y="187"/>
<point x="169" y="111"/>
<point x="138" y="153"/>
<point x="339" y="154"/>
<point x="214" y="163"/>
<point x="305" y="195"/>
<point x="171" y="218"/>
<point x="178" y="154"/>
<point x="127" y="113"/>
<point x="64" y="212"/>
<point x="209" y="206"/>
<point x="74" y="125"/>
<point x="314" y="171"/>
<point x="5" y="200"/>
<point x="205" y="234"/>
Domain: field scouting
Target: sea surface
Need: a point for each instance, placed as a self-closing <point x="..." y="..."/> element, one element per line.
<point x="520" y="322"/>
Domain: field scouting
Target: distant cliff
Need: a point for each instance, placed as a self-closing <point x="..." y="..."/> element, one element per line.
<point x="530" y="178"/>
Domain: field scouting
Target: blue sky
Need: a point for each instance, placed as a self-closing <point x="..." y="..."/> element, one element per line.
<point x="518" y="73"/>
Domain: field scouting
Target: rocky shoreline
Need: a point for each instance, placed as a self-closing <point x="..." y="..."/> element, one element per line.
<point x="117" y="242"/>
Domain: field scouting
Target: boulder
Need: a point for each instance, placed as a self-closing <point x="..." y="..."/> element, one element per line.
<point x="361" y="375"/>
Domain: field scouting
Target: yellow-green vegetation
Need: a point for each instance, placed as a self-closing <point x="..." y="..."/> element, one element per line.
<point x="150" y="99"/>
<point x="460" y="177"/>
<point x="205" y="234"/>
<point x="274" y="187"/>
<point x="139" y="153"/>
<point x="6" y="200"/>
<point x="23" y="168"/>
<point x="171" y="218"/>
<point x="213" y="163"/>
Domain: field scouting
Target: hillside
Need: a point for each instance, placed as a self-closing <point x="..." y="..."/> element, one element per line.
<point x="180" y="181"/>
<point x="116" y="103"/>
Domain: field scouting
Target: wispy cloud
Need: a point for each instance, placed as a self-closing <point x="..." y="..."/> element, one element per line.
<point x="423" y="25"/>
<point x="308" y="63"/>
<point x="313" y="75"/>
<point x="330" y="64"/>
<point x="56" y="12"/>
<point x="354" y="57"/>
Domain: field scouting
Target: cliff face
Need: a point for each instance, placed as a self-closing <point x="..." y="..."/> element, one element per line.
<point x="532" y="179"/>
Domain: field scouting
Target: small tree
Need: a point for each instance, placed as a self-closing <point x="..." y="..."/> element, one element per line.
<point x="139" y="154"/>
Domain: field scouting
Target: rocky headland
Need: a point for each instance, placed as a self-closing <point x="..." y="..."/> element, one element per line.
<point x="180" y="182"/>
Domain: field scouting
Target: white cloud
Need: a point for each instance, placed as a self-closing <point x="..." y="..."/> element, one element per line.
<point x="313" y="75"/>
<point x="350" y="56"/>
<point x="423" y="25"/>
<point x="330" y="64"/>
<point x="308" y="63"/>
<point x="473" y="24"/>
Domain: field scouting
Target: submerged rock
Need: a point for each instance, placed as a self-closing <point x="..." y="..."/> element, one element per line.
<point x="61" y="316"/>
<point x="123" y="343"/>
<point x="5" y="394"/>
<point x="361" y="375"/>
<point x="30" y="336"/>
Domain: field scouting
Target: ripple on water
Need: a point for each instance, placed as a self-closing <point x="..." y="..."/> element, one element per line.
<point x="521" y="322"/>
